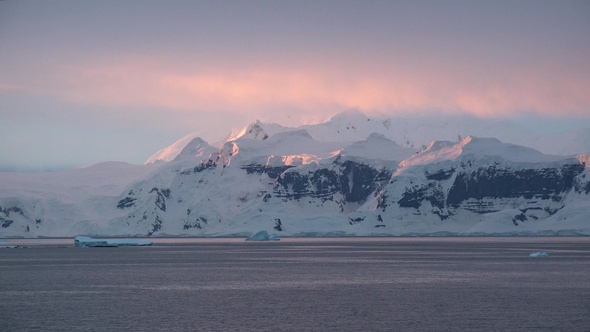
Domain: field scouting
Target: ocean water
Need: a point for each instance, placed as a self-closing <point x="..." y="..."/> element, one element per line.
<point x="358" y="284"/>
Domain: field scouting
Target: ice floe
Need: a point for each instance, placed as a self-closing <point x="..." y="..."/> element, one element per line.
<point x="85" y="241"/>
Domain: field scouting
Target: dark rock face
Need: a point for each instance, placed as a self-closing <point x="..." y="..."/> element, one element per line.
<point x="272" y="171"/>
<point x="355" y="181"/>
<point x="440" y="175"/>
<point x="432" y="192"/>
<point x="520" y="217"/>
<point x="5" y="219"/>
<point x="582" y="184"/>
<point x="209" y="164"/>
<point x="278" y="225"/>
<point x="5" y="223"/>
<point x="495" y="187"/>
<point x="149" y="214"/>
<point x="126" y="202"/>
<point x="156" y="226"/>
<point x="356" y="220"/>
<point x="196" y="223"/>
<point x="8" y="211"/>
<point x="496" y="182"/>
<point x="161" y="196"/>
<point x="321" y="183"/>
<point x="361" y="180"/>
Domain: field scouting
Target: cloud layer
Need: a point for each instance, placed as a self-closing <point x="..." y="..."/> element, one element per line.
<point x="141" y="72"/>
<point x="254" y="90"/>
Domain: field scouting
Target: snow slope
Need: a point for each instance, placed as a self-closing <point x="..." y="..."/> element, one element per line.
<point x="413" y="133"/>
<point x="345" y="177"/>
<point x="190" y="145"/>
<point x="478" y="148"/>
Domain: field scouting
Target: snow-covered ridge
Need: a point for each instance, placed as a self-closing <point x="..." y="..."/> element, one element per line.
<point x="171" y="152"/>
<point x="412" y="133"/>
<point x="260" y="131"/>
<point x="290" y="146"/>
<point x="344" y="177"/>
<point x="197" y="149"/>
<point x="476" y="148"/>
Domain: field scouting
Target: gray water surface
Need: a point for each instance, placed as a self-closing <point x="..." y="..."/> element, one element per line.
<point x="366" y="284"/>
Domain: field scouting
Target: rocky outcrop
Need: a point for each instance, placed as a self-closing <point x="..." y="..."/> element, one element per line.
<point x="355" y="181"/>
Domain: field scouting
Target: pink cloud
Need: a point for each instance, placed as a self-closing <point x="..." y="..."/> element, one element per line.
<point x="323" y="90"/>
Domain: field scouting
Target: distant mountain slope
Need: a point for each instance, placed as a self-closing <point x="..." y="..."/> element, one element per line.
<point x="171" y="152"/>
<point x="412" y="133"/>
<point x="484" y="186"/>
<point x="332" y="179"/>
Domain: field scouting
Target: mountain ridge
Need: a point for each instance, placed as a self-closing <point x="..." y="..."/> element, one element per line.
<point x="414" y="133"/>
<point x="293" y="184"/>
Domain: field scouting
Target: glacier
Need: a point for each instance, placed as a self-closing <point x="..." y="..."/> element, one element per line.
<point x="350" y="176"/>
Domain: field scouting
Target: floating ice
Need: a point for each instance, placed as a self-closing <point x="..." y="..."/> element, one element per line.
<point x="539" y="254"/>
<point x="85" y="241"/>
<point x="10" y="247"/>
<point x="263" y="236"/>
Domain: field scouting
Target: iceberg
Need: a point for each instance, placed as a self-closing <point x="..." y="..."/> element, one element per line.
<point x="539" y="254"/>
<point x="85" y="241"/>
<point x="10" y="247"/>
<point x="263" y="236"/>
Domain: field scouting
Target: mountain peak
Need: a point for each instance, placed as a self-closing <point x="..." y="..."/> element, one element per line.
<point x="171" y="152"/>
<point x="260" y="131"/>
<point x="197" y="148"/>
<point x="349" y="116"/>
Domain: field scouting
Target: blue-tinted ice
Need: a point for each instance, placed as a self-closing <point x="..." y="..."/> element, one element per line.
<point x="85" y="241"/>
<point x="263" y="236"/>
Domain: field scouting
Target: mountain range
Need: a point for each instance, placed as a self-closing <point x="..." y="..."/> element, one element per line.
<point x="353" y="175"/>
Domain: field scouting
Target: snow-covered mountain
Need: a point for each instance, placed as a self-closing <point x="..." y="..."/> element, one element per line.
<point x="348" y="176"/>
<point x="411" y="133"/>
<point x="189" y="146"/>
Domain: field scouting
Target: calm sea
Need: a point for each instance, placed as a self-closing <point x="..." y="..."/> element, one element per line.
<point x="359" y="284"/>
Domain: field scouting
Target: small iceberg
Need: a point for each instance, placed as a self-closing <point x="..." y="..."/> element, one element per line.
<point x="10" y="247"/>
<point x="263" y="236"/>
<point x="539" y="254"/>
<point x="85" y="241"/>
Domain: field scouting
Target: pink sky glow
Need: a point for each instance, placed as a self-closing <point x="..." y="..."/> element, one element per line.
<point x="254" y="91"/>
<point x="119" y="80"/>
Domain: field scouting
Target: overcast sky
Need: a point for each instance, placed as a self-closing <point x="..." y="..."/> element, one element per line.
<point x="89" y="81"/>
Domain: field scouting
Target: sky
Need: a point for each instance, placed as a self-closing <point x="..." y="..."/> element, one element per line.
<point x="108" y="80"/>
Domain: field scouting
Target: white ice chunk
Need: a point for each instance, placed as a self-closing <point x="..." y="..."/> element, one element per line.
<point x="263" y="236"/>
<point x="539" y="254"/>
<point x="85" y="241"/>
